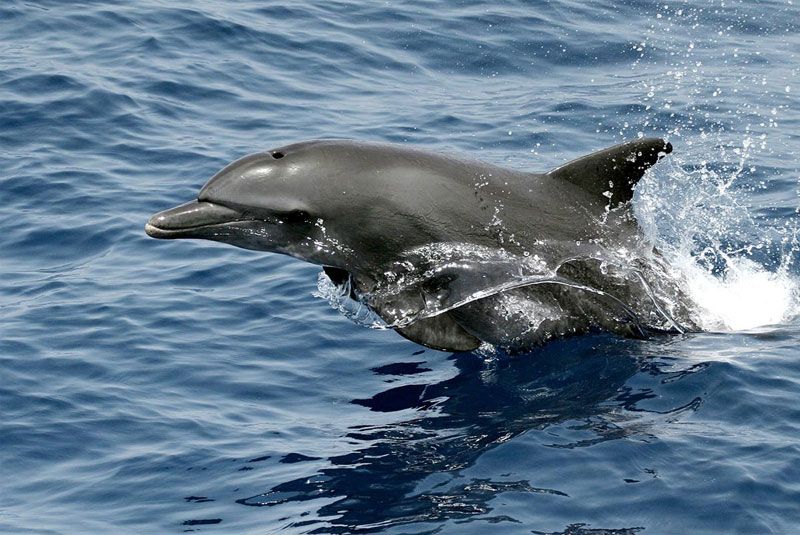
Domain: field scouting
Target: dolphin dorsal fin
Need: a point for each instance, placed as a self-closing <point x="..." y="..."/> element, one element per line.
<point x="613" y="172"/>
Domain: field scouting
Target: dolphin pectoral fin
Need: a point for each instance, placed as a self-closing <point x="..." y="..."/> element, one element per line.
<point x="440" y="332"/>
<point x="613" y="172"/>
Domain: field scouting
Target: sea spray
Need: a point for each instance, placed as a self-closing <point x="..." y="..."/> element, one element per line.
<point x="736" y="267"/>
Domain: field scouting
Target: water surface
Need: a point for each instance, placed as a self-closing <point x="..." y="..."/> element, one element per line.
<point x="158" y="387"/>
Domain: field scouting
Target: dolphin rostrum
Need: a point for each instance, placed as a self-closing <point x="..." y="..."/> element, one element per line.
<point x="448" y="251"/>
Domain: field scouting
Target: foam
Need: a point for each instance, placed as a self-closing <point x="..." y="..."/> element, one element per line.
<point x="747" y="297"/>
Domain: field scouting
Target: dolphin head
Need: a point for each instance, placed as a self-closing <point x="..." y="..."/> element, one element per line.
<point x="294" y="200"/>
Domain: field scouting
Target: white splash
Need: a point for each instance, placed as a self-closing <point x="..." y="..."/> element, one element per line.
<point x="701" y="223"/>
<point x="746" y="297"/>
<point x="338" y="298"/>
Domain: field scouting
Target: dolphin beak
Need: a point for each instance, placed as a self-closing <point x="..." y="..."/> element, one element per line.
<point x="186" y="220"/>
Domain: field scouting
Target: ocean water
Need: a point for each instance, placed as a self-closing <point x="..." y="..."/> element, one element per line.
<point x="160" y="387"/>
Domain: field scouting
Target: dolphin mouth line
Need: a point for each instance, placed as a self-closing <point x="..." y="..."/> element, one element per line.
<point x="164" y="233"/>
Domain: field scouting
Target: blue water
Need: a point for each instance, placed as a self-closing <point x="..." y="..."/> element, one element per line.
<point x="159" y="387"/>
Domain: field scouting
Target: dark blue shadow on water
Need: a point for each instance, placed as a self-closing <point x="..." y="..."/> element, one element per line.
<point x="488" y="403"/>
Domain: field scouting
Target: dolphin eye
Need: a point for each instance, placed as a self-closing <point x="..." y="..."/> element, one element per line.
<point x="277" y="155"/>
<point x="296" y="216"/>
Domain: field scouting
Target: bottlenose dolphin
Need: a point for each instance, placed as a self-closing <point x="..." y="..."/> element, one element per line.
<point x="449" y="251"/>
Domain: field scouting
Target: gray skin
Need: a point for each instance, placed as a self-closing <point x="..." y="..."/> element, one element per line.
<point x="357" y="208"/>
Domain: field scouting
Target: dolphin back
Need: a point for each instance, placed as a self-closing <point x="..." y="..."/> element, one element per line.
<point x="613" y="172"/>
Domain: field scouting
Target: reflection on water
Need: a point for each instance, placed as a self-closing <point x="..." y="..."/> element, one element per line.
<point x="409" y="471"/>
